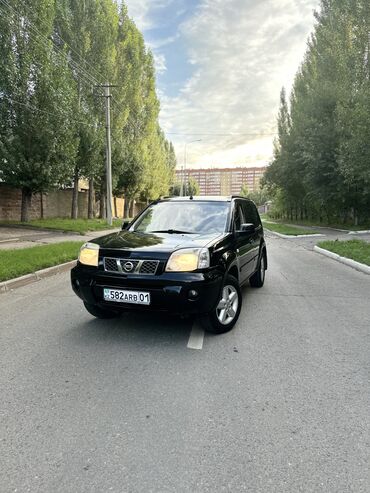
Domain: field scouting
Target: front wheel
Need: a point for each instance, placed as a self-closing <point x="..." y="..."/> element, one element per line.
<point x="223" y="318"/>
<point x="98" y="312"/>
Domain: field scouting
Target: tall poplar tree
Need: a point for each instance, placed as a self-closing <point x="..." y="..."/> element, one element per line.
<point x="37" y="94"/>
<point x="324" y="158"/>
<point x="87" y="30"/>
<point x="54" y="58"/>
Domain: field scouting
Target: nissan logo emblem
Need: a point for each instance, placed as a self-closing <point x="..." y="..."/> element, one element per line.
<point x="128" y="266"/>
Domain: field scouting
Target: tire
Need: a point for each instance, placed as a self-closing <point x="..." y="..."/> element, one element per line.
<point x="98" y="312"/>
<point x="230" y="294"/>
<point x="258" y="278"/>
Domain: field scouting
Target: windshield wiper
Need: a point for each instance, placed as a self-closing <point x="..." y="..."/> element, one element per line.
<point x="173" y="232"/>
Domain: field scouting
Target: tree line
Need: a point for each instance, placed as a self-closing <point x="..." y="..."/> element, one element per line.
<point x="321" y="164"/>
<point x="55" y="56"/>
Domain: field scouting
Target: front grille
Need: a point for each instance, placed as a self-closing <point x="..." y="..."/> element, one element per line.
<point x="149" y="267"/>
<point x="110" y="265"/>
<point x="128" y="266"/>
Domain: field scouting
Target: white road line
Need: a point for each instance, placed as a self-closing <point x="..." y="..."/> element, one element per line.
<point x="9" y="240"/>
<point x="196" y="337"/>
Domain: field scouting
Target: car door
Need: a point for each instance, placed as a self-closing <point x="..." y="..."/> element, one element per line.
<point x="251" y="215"/>
<point x="244" y="243"/>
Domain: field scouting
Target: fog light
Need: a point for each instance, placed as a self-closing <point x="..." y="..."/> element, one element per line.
<point x="193" y="294"/>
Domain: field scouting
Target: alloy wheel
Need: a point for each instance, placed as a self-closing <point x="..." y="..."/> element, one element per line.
<point x="228" y="306"/>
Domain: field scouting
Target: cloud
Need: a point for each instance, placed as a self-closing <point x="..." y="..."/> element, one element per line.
<point x="142" y="11"/>
<point x="242" y="52"/>
<point x="160" y="62"/>
<point x="159" y="43"/>
<point x="139" y="11"/>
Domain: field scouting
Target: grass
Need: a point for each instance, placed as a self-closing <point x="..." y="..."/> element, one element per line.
<point x="354" y="249"/>
<point x="80" y="226"/>
<point x="286" y="229"/>
<point x="18" y="262"/>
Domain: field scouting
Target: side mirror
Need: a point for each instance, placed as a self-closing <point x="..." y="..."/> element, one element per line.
<point x="125" y="224"/>
<point x="248" y="228"/>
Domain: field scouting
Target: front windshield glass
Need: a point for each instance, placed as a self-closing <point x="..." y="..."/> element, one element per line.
<point x="184" y="217"/>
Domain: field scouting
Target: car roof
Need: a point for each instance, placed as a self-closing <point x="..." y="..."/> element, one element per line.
<point x="204" y="198"/>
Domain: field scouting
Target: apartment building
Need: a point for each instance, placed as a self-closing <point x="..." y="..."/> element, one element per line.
<point x="223" y="181"/>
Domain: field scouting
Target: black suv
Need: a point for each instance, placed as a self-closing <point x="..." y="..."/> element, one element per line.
<point x="187" y="255"/>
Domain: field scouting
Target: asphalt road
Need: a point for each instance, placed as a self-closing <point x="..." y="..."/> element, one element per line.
<point x="281" y="404"/>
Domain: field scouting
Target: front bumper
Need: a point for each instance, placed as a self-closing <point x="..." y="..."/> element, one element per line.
<point x="168" y="292"/>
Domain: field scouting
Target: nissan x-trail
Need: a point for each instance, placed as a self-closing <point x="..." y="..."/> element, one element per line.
<point x="186" y="255"/>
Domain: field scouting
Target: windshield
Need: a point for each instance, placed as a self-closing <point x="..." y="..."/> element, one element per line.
<point x="184" y="217"/>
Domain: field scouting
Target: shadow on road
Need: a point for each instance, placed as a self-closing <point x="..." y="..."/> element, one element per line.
<point x="134" y="329"/>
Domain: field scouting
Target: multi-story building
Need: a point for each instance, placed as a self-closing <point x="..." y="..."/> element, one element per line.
<point x="223" y="181"/>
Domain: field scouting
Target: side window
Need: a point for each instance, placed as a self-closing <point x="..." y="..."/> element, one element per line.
<point x="250" y="213"/>
<point x="238" y="217"/>
<point x="258" y="219"/>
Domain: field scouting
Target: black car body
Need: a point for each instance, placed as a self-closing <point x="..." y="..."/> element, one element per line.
<point x="133" y="264"/>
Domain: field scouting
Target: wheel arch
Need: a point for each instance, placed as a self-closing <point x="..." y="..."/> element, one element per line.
<point x="264" y="249"/>
<point x="231" y="265"/>
<point x="234" y="271"/>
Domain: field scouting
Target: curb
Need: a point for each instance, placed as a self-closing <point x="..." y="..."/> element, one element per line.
<point x="280" y="235"/>
<point x="37" y="229"/>
<point x="360" y="232"/>
<point x="35" y="276"/>
<point x="344" y="260"/>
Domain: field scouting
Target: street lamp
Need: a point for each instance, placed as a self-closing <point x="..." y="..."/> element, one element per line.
<point x="183" y="189"/>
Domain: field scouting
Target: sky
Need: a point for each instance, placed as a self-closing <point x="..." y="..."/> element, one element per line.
<point x="220" y="67"/>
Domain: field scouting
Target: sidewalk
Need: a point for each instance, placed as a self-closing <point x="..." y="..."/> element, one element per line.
<point x="331" y="233"/>
<point x="24" y="237"/>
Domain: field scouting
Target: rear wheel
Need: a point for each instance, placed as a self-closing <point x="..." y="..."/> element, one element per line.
<point x="98" y="312"/>
<point x="258" y="278"/>
<point x="223" y="318"/>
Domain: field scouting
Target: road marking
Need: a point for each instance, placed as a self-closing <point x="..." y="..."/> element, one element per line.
<point x="9" y="240"/>
<point x="196" y="337"/>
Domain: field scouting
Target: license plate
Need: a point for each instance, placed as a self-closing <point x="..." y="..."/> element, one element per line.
<point x="123" y="296"/>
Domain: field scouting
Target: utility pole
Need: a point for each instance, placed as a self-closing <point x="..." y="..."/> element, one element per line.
<point x="108" y="147"/>
<point x="108" y="153"/>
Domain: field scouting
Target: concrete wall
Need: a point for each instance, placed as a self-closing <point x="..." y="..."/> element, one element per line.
<point x="56" y="204"/>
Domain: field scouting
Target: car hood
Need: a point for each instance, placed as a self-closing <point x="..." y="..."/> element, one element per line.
<point x="154" y="242"/>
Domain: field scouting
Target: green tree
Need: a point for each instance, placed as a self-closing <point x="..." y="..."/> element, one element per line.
<point x="320" y="165"/>
<point x="191" y="188"/>
<point x="87" y="30"/>
<point x="244" y="192"/>
<point x="143" y="160"/>
<point x="37" y="96"/>
<point x="55" y="56"/>
<point x="353" y="118"/>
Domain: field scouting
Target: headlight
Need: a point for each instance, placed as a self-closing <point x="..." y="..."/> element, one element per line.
<point x="89" y="254"/>
<point x="188" y="260"/>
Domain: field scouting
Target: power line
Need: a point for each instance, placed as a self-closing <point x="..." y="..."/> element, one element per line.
<point x="45" y="41"/>
<point x="34" y="108"/>
<point x="83" y="59"/>
<point x="86" y="76"/>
